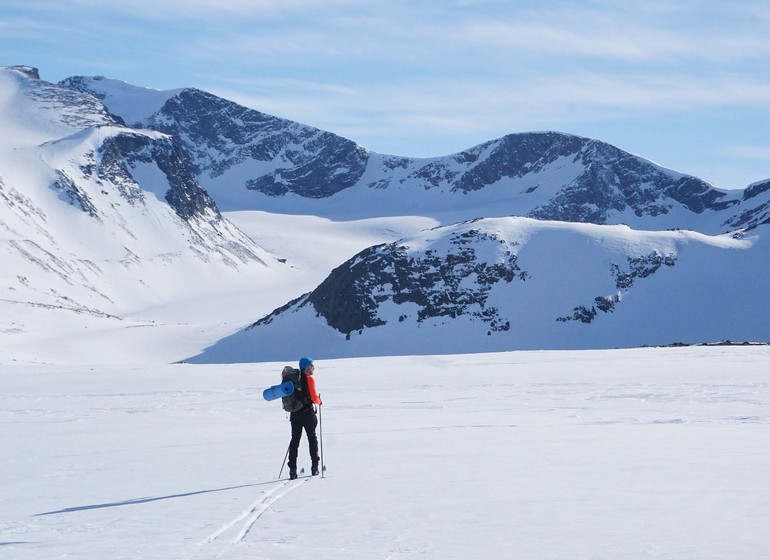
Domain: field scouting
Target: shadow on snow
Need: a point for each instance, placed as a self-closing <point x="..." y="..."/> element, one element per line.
<point x="145" y="500"/>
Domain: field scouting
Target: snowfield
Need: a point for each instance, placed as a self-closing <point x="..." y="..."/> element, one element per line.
<point x="647" y="453"/>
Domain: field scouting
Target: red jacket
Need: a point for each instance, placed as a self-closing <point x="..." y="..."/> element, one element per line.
<point x="311" y="390"/>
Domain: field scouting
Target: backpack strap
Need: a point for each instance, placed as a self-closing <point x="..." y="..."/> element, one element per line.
<point x="305" y="398"/>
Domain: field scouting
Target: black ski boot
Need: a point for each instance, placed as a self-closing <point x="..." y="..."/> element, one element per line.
<point x="292" y="475"/>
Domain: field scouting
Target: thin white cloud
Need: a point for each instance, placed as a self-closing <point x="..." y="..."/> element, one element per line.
<point x="650" y="91"/>
<point x="314" y="87"/>
<point x="549" y="40"/>
<point x="598" y="39"/>
<point x="29" y="28"/>
<point x="160" y="9"/>
<point x="748" y="152"/>
<point x="278" y="44"/>
<point x="614" y="35"/>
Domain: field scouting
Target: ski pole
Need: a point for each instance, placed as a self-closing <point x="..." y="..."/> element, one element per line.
<point x="284" y="460"/>
<point x="321" y="434"/>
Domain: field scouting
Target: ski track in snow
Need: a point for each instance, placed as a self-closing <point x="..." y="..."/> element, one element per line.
<point x="255" y="511"/>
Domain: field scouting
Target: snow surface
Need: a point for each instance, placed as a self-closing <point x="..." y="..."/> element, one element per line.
<point x="634" y="454"/>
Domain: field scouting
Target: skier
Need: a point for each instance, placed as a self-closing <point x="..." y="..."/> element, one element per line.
<point x="305" y="418"/>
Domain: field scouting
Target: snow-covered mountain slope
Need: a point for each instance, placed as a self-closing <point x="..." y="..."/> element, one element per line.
<point x="519" y="283"/>
<point x="249" y="160"/>
<point x="131" y="104"/>
<point x="553" y="176"/>
<point x="755" y="206"/>
<point x="100" y="219"/>
<point x="34" y="111"/>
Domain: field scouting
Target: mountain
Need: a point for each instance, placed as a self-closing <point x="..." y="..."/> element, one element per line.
<point x="518" y="283"/>
<point x="228" y="144"/>
<point x="115" y="203"/>
<point x="249" y="160"/>
<point x="754" y="207"/>
<point x="100" y="219"/>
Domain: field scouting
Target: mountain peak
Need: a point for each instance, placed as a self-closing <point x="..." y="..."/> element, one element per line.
<point x="28" y="71"/>
<point x="133" y="104"/>
<point x="33" y="111"/>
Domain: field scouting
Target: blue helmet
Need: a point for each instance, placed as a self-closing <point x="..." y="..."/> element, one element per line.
<point x="304" y="362"/>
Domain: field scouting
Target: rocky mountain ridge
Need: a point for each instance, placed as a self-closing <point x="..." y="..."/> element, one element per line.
<point x="249" y="160"/>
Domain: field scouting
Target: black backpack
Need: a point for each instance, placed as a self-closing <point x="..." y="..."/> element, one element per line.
<point x="298" y="399"/>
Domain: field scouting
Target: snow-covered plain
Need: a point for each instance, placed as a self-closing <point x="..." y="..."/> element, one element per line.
<point x="647" y="453"/>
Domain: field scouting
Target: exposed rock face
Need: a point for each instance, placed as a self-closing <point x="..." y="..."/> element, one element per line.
<point x="72" y="109"/>
<point x="603" y="178"/>
<point x="28" y="71"/>
<point x="218" y="134"/>
<point x="755" y="207"/>
<point x="451" y="283"/>
<point x="614" y="180"/>
<point x="447" y="284"/>
<point x="73" y="194"/>
<point x="112" y="165"/>
<point x="638" y="267"/>
<point x="185" y="195"/>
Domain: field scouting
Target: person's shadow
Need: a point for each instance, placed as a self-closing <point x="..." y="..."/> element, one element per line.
<point x="145" y="500"/>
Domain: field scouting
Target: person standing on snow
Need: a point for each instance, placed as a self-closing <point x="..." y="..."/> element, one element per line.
<point x="305" y="419"/>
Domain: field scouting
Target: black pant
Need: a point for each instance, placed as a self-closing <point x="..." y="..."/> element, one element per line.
<point x="305" y="419"/>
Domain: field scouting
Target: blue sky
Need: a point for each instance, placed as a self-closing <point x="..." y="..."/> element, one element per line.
<point x="683" y="83"/>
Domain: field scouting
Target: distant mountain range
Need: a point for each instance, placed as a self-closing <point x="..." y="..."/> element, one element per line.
<point x="114" y="190"/>
<point x="250" y="160"/>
